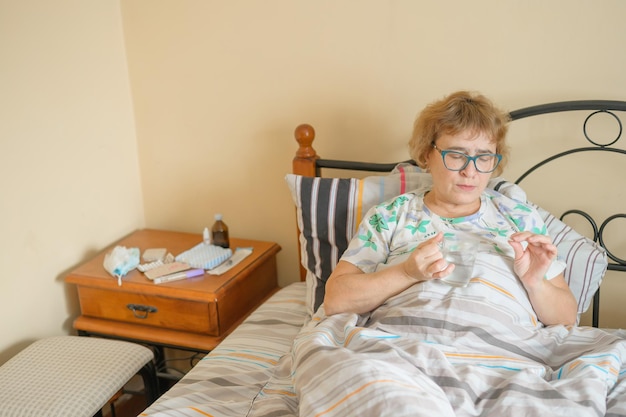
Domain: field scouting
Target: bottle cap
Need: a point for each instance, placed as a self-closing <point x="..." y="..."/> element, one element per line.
<point x="218" y="217"/>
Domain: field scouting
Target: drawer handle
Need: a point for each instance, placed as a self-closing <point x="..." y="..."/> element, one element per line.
<point x="141" y="311"/>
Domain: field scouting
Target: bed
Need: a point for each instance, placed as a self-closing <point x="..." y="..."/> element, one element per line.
<point x="284" y="361"/>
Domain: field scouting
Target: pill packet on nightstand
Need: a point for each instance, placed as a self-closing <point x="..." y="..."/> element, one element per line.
<point x="166" y="269"/>
<point x="145" y="267"/>
<point x="239" y="255"/>
<point x="154" y="254"/>
<point x="205" y="256"/>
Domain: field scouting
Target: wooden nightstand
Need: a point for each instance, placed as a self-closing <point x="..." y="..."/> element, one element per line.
<point x="193" y="314"/>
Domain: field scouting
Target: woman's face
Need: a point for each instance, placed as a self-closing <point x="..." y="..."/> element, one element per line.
<point x="457" y="193"/>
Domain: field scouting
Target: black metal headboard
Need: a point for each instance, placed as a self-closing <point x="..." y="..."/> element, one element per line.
<point x="595" y="107"/>
<point x="610" y="107"/>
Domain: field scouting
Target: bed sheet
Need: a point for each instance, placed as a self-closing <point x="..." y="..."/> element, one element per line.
<point x="249" y="372"/>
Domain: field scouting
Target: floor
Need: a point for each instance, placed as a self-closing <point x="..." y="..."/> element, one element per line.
<point x="132" y="402"/>
<point x="128" y="405"/>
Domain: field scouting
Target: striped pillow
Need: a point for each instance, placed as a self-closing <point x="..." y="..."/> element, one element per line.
<point x="329" y="211"/>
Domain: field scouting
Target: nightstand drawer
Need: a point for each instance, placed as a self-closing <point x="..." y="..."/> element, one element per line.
<point x="149" y="310"/>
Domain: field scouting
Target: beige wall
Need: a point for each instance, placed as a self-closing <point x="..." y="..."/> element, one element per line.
<point x="69" y="172"/>
<point x="217" y="89"/>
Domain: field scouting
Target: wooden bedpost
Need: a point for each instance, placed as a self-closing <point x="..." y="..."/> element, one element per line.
<point x="304" y="161"/>
<point x="304" y="164"/>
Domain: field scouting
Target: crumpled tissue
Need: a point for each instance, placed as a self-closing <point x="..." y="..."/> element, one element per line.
<point x="120" y="261"/>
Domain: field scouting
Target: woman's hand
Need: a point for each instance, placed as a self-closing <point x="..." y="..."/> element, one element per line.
<point x="426" y="261"/>
<point x="532" y="263"/>
<point x="349" y="289"/>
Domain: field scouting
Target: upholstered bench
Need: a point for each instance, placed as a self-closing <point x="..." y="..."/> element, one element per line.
<point x="70" y="376"/>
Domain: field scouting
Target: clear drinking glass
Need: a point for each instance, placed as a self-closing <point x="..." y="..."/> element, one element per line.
<point x="462" y="253"/>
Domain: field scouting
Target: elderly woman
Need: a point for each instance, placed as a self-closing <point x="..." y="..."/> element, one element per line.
<point x="460" y="140"/>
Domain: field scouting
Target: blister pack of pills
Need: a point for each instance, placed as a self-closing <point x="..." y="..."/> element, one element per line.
<point x="205" y="256"/>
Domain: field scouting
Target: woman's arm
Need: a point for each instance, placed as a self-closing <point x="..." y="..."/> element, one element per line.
<point x="349" y="289"/>
<point x="551" y="299"/>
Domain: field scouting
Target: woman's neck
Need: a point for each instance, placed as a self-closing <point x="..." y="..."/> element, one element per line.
<point x="449" y="210"/>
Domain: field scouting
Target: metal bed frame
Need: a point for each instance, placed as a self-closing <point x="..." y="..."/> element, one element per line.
<point x="305" y="134"/>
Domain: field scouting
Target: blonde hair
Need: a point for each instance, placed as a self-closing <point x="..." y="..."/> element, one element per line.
<point x="460" y="111"/>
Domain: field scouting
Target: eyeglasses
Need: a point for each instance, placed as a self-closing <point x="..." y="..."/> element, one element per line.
<point x="457" y="161"/>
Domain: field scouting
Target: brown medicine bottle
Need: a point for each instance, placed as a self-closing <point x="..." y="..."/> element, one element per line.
<point x="219" y="232"/>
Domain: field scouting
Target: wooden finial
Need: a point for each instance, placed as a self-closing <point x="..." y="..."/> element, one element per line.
<point x="304" y="161"/>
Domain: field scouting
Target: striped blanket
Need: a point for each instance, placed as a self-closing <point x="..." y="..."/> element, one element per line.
<point x="437" y="350"/>
<point x="421" y="353"/>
